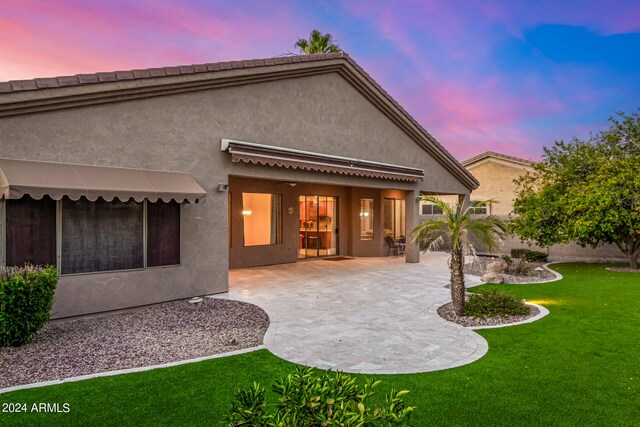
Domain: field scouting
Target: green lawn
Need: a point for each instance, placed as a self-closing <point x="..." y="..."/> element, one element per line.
<point x="578" y="366"/>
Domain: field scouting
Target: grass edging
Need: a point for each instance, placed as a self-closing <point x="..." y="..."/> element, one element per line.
<point x="543" y="313"/>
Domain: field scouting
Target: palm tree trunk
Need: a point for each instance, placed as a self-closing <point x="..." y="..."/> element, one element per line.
<point x="457" y="282"/>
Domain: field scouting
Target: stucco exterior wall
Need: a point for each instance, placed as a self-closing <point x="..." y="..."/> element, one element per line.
<point x="496" y="182"/>
<point x="568" y="252"/>
<point x="182" y="132"/>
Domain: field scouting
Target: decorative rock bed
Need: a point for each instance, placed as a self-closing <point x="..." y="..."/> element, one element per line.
<point x="446" y="312"/>
<point x="159" y="334"/>
<point x="538" y="273"/>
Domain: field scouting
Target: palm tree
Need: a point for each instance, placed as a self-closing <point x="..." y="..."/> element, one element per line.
<point x="454" y="226"/>
<point x="317" y="43"/>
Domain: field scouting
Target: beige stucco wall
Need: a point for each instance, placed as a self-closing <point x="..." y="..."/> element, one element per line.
<point x="565" y="252"/>
<point x="496" y="182"/>
<point x="182" y="132"/>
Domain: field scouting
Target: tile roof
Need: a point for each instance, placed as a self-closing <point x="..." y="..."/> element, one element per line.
<point x="147" y="73"/>
<point x="51" y="83"/>
<point x="486" y="154"/>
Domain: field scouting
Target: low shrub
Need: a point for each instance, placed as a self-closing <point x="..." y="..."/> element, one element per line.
<point x="26" y="297"/>
<point x="519" y="267"/>
<point x="519" y="253"/>
<point x="529" y="255"/>
<point x="535" y="256"/>
<point x="308" y="398"/>
<point x="494" y="303"/>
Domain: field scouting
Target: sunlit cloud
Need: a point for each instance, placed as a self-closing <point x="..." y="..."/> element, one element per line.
<point x="479" y="76"/>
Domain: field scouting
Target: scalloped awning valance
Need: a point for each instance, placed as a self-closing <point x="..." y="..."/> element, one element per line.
<point x="37" y="179"/>
<point x="249" y="152"/>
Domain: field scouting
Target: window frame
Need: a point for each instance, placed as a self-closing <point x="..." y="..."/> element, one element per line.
<point x="279" y="222"/>
<point x="144" y="244"/>
<point x="394" y="219"/>
<point x="432" y="206"/>
<point x="4" y="230"/>
<point x="484" y="206"/>
<point x="146" y="237"/>
<point x="3" y="241"/>
<point x="373" y="223"/>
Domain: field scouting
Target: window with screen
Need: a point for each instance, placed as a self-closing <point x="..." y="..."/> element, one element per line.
<point x="163" y="233"/>
<point x="261" y="219"/>
<point x="479" y="208"/>
<point x="428" y="209"/>
<point x="101" y="236"/>
<point x="366" y="219"/>
<point x="31" y="231"/>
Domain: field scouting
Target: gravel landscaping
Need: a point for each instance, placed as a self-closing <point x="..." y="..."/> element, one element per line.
<point x="623" y="269"/>
<point x="446" y="312"/>
<point x="477" y="268"/>
<point x="159" y="334"/>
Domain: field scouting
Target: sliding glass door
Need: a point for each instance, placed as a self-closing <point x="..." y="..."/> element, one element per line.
<point x="318" y="226"/>
<point x="394" y="214"/>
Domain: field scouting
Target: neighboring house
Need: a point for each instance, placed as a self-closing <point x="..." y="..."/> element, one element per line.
<point x="146" y="186"/>
<point x="496" y="174"/>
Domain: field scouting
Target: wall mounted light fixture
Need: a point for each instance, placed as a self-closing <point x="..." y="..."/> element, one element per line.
<point x="223" y="187"/>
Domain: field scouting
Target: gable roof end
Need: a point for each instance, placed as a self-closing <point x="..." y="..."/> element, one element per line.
<point x="489" y="154"/>
<point x="42" y="94"/>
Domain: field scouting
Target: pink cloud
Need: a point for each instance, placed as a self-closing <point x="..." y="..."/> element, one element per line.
<point x="54" y="38"/>
<point x="465" y="110"/>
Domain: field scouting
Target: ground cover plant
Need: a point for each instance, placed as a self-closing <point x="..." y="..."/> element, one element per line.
<point x="309" y="397"/>
<point x="577" y="366"/>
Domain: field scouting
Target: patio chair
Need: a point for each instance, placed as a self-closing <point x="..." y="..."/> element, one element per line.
<point x="393" y="246"/>
<point x="402" y="245"/>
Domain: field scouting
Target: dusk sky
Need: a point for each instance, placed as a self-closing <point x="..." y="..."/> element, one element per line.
<point x="507" y="76"/>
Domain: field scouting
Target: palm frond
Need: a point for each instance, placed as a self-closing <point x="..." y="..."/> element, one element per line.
<point x="489" y="230"/>
<point x="456" y="222"/>
<point x="317" y="43"/>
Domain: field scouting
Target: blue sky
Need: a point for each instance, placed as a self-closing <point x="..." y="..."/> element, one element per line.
<point x="507" y="76"/>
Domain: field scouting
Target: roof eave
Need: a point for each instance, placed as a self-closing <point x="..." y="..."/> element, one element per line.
<point x="235" y="74"/>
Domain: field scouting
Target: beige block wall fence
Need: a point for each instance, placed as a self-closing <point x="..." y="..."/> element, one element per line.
<point x="568" y="252"/>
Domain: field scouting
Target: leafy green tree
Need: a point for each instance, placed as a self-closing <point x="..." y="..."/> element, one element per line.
<point x="317" y="43"/>
<point x="586" y="191"/>
<point x="453" y="227"/>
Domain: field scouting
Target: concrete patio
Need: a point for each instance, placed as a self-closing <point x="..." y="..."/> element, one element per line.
<point x="364" y="315"/>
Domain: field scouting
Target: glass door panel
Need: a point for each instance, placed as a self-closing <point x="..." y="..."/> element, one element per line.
<point x="318" y="226"/>
<point x="308" y="227"/>
<point x="394" y="217"/>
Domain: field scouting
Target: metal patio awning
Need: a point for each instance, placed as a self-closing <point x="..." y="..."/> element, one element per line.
<point x="57" y="180"/>
<point x="249" y="152"/>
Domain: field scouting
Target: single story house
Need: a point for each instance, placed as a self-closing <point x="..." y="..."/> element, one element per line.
<point x="145" y="186"/>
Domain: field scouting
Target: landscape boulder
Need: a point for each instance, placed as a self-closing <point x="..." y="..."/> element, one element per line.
<point x="490" y="277"/>
<point x="499" y="266"/>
